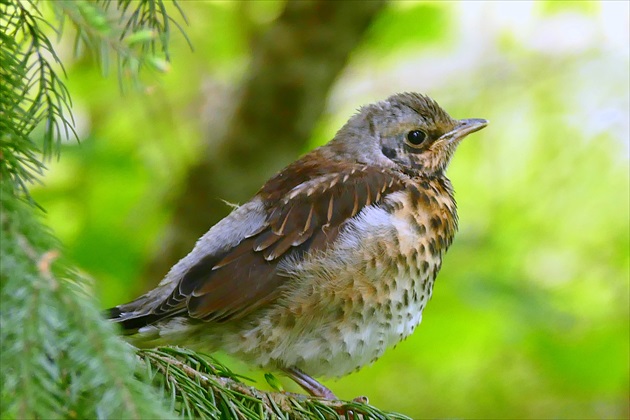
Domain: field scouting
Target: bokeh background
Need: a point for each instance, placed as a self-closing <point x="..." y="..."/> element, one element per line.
<point x="530" y="314"/>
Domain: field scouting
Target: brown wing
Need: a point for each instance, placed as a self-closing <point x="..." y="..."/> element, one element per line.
<point x="307" y="206"/>
<point x="302" y="219"/>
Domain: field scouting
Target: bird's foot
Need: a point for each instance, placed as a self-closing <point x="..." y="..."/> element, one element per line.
<point x="361" y="399"/>
<point x="316" y="389"/>
<point x="309" y="384"/>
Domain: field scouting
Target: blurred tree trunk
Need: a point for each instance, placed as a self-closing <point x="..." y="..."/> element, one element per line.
<point x="294" y="64"/>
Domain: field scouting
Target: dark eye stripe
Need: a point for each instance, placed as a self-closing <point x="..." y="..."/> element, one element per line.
<point x="389" y="152"/>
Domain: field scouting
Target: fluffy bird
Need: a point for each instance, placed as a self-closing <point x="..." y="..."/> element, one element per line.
<point x="331" y="262"/>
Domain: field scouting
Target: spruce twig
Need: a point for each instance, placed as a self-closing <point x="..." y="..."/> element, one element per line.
<point x="59" y="358"/>
<point x="200" y="386"/>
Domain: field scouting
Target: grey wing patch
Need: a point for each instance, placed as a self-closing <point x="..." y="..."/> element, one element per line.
<point x="166" y="300"/>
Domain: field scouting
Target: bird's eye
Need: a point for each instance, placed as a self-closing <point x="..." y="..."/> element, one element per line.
<point x="415" y="138"/>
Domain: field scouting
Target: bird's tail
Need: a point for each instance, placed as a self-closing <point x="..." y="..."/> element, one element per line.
<point x="129" y="324"/>
<point x="138" y="314"/>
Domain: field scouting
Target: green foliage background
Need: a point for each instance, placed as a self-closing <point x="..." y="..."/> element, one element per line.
<point x="530" y="314"/>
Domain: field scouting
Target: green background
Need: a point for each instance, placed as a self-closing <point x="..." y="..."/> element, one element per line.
<point x="530" y="313"/>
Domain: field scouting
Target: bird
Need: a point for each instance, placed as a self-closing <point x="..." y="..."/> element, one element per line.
<point x="330" y="263"/>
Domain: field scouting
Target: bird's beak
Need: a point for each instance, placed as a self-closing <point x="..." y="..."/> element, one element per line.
<point x="464" y="128"/>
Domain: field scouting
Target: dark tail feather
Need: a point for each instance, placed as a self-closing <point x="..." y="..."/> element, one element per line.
<point x="113" y="313"/>
<point x="132" y="324"/>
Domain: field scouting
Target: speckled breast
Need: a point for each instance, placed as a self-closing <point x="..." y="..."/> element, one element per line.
<point x="347" y="305"/>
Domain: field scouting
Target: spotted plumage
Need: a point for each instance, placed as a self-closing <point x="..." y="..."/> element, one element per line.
<point x="332" y="261"/>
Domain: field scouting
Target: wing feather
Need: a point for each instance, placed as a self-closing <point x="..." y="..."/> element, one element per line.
<point x="308" y="205"/>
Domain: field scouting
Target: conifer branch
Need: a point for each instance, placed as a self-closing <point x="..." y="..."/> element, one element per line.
<point x="32" y="92"/>
<point x="202" y="387"/>
<point x="59" y="358"/>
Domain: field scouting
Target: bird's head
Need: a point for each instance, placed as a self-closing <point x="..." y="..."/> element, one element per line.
<point x="408" y="131"/>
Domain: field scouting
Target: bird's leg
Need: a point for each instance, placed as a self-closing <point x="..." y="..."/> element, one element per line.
<point x="309" y="384"/>
<point x="316" y="389"/>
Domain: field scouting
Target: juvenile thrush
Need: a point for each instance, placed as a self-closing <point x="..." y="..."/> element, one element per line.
<point x="331" y="262"/>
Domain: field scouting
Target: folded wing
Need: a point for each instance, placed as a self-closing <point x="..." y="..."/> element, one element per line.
<point x="307" y="206"/>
